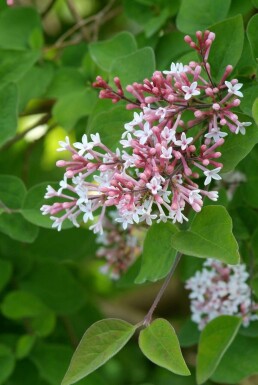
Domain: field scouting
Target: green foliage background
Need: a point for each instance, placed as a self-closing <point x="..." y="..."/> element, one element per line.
<point x="50" y="286"/>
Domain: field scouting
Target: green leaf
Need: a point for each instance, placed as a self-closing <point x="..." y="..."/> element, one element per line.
<point x="7" y="363"/>
<point x="74" y="106"/>
<point x="61" y="298"/>
<point x="104" y="53"/>
<point x="14" y="64"/>
<point x="115" y="119"/>
<point x="12" y="192"/>
<point x="16" y="227"/>
<point x="8" y="112"/>
<point x="226" y="50"/>
<point x="5" y="273"/>
<point x="65" y="81"/>
<point x="250" y="94"/>
<point x="255" y="111"/>
<point x="210" y="236"/>
<point x="252" y="28"/>
<point x="21" y="304"/>
<point x="34" y="201"/>
<point x="51" y="361"/>
<point x="100" y="342"/>
<point x="188" y="334"/>
<point x="134" y="67"/>
<point x="24" y="345"/>
<point x="215" y="339"/>
<point x="159" y="344"/>
<point x="198" y="15"/>
<point x="236" y="147"/>
<point x="40" y="76"/>
<point x="239" y="362"/>
<point x="25" y="22"/>
<point x="158" y="253"/>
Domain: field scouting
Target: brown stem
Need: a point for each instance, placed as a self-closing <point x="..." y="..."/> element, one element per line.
<point x="48" y="8"/>
<point x="70" y="331"/>
<point x="78" y="19"/>
<point x="148" y="317"/>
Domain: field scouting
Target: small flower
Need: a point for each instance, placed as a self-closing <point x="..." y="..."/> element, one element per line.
<point x="168" y="134"/>
<point x="176" y="68"/>
<point x="166" y="152"/>
<point x="144" y="134"/>
<point x="154" y="185"/>
<point x="241" y="127"/>
<point x="190" y="91"/>
<point x="83" y="146"/>
<point x="212" y="174"/>
<point x="64" y="145"/>
<point x="95" y="139"/>
<point x="57" y="223"/>
<point x="183" y="143"/>
<point x="194" y="194"/>
<point x="63" y="185"/>
<point x="234" y="89"/>
<point x="215" y="134"/>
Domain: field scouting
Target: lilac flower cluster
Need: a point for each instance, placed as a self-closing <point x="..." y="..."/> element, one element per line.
<point x="155" y="176"/>
<point x="119" y="248"/>
<point x="220" y="289"/>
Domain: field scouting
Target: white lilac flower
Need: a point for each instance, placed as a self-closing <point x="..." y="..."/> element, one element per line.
<point x="154" y="185"/>
<point x="241" y="127"/>
<point x="168" y="134"/>
<point x="220" y="289"/>
<point x="166" y="152"/>
<point x="190" y="91"/>
<point x="234" y="89"/>
<point x="83" y="146"/>
<point x="95" y="139"/>
<point x="183" y="143"/>
<point x="215" y="134"/>
<point x="212" y="174"/>
<point x="64" y="145"/>
<point x="176" y="68"/>
<point x="63" y="185"/>
<point x="144" y="134"/>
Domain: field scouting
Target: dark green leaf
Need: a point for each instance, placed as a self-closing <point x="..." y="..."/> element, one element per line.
<point x="134" y="67"/>
<point x="8" y="112"/>
<point x="158" y="253"/>
<point x="252" y="35"/>
<point x="24" y="22"/>
<point x="74" y="106"/>
<point x="250" y="94"/>
<point x="7" y="363"/>
<point x="100" y="342"/>
<point x="210" y="236"/>
<point x="5" y="273"/>
<point x="14" y="64"/>
<point x="65" y="81"/>
<point x="12" y="192"/>
<point x="104" y="53"/>
<point x="239" y="362"/>
<point x="215" y="339"/>
<point x="198" y="15"/>
<point x="16" y="227"/>
<point x="226" y="50"/>
<point x="159" y="344"/>
<point x="188" y="334"/>
<point x="255" y="111"/>
<point x="24" y="345"/>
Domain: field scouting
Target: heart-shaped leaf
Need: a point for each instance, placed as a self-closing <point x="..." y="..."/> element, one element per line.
<point x="159" y="344"/>
<point x="214" y="341"/>
<point x="210" y="236"/>
<point x="100" y="342"/>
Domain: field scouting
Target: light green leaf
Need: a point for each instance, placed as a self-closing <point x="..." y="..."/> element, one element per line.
<point x="215" y="339"/>
<point x="239" y="361"/>
<point x="5" y="273"/>
<point x="25" y="21"/>
<point x="252" y="28"/>
<point x="110" y="125"/>
<point x="65" y="81"/>
<point x="134" y="67"/>
<point x="7" y="363"/>
<point x="210" y="236"/>
<point x="158" y="253"/>
<point x="159" y="344"/>
<point x="14" y="64"/>
<point x="237" y="146"/>
<point x="100" y="342"/>
<point x="104" y="53"/>
<point x="8" y="112"/>
<point x="70" y="108"/>
<point x="198" y="15"/>
<point x="255" y="111"/>
<point x="226" y="50"/>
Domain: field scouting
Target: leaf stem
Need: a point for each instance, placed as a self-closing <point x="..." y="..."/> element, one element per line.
<point x="147" y="319"/>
